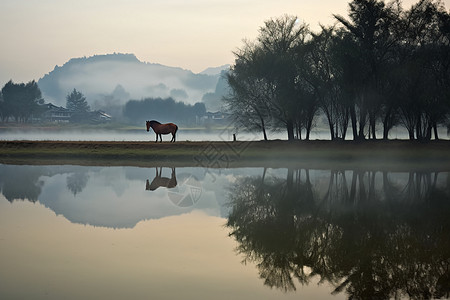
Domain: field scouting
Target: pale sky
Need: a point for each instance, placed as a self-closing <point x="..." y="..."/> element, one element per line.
<point x="37" y="35"/>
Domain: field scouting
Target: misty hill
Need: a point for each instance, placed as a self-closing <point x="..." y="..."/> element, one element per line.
<point x="113" y="79"/>
<point x="215" y="70"/>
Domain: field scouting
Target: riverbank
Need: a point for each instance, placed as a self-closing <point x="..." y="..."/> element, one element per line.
<point x="392" y="154"/>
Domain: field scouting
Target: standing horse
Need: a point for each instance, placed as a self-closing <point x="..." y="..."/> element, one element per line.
<point x="159" y="129"/>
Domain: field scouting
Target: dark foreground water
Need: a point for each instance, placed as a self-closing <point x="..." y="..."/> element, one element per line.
<point x="77" y="232"/>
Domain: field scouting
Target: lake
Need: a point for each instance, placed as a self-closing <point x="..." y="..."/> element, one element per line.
<point x="93" y="232"/>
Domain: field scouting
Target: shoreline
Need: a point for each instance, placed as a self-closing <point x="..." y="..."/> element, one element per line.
<point x="369" y="154"/>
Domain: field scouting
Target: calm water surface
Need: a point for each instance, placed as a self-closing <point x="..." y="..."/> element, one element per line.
<point x="78" y="232"/>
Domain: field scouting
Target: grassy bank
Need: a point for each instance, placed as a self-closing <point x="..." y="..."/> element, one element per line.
<point x="395" y="154"/>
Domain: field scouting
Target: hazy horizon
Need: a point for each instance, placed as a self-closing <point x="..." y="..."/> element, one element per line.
<point x="193" y="35"/>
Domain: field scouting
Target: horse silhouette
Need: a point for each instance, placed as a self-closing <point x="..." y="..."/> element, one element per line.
<point x="160" y="129"/>
<point x="160" y="181"/>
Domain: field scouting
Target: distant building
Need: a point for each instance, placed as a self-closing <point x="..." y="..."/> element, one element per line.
<point x="214" y="118"/>
<point x="216" y="115"/>
<point x="56" y="114"/>
<point x="99" y="116"/>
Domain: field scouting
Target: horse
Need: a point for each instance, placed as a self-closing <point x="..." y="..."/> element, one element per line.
<point x="160" y="181"/>
<point x="160" y="129"/>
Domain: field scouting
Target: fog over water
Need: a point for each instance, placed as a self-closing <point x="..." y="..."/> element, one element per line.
<point x="182" y="135"/>
<point x="135" y="135"/>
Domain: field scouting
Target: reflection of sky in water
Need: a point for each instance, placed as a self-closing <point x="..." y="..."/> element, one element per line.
<point x="116" y="196"/>
<point x="186" y="257"/>
<point x="141" y="246"/>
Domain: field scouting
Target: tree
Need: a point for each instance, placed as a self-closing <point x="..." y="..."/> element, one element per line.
<point x="2" y="108"/>
<point x="76" y="101"/>
<point x="20" y="101"/>
<point x="402" y="64"/>
<point x="425" y="69"/>
<point x="282" y="40"/>
<point x="369" y="26"/>
<point x="165" y="110"/>
<point x="252" y="94"/>
<point x="382" y="66"/>
<point x="199" y="109"/>
<point x="323" y="71"/>
<point x="265" y="82"/>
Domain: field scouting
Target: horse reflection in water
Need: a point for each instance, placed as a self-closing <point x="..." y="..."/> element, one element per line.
<point x="160" y="129"/>
<point x="160" y="181"/>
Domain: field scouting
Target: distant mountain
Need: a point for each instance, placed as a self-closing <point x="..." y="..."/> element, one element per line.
<point x="215" y="70"/>
<point x="100" y="77"/>
<point x="213" y="101"/>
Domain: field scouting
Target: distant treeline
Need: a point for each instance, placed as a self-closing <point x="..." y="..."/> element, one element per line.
<point x="23" y="103"/>
<point x="381" y="67"/>
<point x="20" y="101"/>
<point x="163" y="110"/>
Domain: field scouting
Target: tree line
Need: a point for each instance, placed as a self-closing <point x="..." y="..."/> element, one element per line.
<point x="20" y="101"/>
<point x="343" y="231"/>
<point x="23" y="102"/>
<point x="138" y="111"/>
<point x="380" y="67"/>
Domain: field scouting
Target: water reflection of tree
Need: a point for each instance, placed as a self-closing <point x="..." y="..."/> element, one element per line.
<point x="77" y="181"/>
<point x="362" y="233"/>
<point x="26" y="182"/>
<point x="21" y="182"/>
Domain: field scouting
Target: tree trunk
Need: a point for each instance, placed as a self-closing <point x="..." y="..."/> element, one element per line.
<point x="298" y="131"/>
<point x="331" y="130"/>
<point x="436" y="137"/>
<point x="290" y="130"/>
<point x="344" y="134"/>
<point x="264" y="133"/>
<point x="387" y="123"/>
<point x="354" y="125"/>
<point x="309" y="125"/>
<point x="411" y="133"/>
<point x="263" y="126"/>
<point x="428" y="132"/>
<point x="373" y="127"/>
<point x="331" y="126"/>
<point x="419" y="129"/>
<point x="385" y="131"/>
<point x="362" y="124"/>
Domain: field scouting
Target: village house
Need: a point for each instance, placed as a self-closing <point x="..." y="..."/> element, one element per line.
<point x="56" y="114"/>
